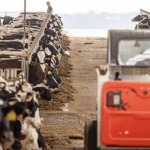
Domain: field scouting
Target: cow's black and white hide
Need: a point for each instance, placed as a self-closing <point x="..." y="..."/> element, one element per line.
<point x="16" y="145"/>
<point x="43" y="91"/>
<point x="14" y="45"/>
<point x="45" y="39"/>
<point x="139" y="18"/>
<point x="60" y="20"/>
<point x="11" y="115"/>
<point x="50" y="32"/>
<point x="51" y="48"/>
<point x="22" y="133"/>
<point x="34" y="139"/>
<point x="31" y="121"/>
<point x="54" y="60"/>
<point x="31" y="140"/>
<point x="57" y="78"/>
<point x="58" y="47"/>
<point x="51" y="81"/>
<point x="143" y="26"/>
<point x="39" y="57"/>
<point x="145" y="23"/>
<point x="32" y="116"/>
<point x="7" y="20"/>
<point x="41" y="142"/>
<point x="48" y="59"/>
<point x="51" y="58"/>
<point x="13" y="37"/>
<point x="35" y="72"/>
<point x="50" y="70"/>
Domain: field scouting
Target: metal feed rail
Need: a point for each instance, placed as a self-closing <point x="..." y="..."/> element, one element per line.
<point x="35" y="44"/>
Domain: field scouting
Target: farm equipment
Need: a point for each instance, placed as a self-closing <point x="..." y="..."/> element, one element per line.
<point x="123" y="98"/>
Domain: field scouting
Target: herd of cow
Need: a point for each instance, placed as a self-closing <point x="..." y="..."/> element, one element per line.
<point x="20" y="121"/>
<point x="144" y="21"/>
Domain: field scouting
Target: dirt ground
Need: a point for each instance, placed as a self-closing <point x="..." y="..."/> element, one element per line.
<point x="64" y="122"/>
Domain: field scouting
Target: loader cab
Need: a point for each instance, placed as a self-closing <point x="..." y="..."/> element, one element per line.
<point x="128" y="55"/>
<point x="123" y="94"/>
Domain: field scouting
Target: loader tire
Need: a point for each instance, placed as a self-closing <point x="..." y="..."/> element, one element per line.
<point x="90" y="135"/>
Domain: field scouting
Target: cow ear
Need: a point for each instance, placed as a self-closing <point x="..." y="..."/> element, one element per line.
<point x="11" y="116"/>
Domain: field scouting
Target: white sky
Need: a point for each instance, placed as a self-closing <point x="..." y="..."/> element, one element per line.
<point x="77" y="6"/>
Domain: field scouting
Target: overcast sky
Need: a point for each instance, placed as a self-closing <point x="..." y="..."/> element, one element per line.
<point x="77" y="6"/>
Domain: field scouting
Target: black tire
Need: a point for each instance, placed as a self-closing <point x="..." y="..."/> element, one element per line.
<point x="90" y="135"/>
<point x="7" y="19"/>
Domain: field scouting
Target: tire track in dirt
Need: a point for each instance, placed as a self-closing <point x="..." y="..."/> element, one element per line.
<point x="63" y="128"/>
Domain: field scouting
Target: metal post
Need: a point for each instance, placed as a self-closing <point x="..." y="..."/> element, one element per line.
<point x="24" y="36"/>
<point x="6" y="14"/>
<point x="29" y="37"/>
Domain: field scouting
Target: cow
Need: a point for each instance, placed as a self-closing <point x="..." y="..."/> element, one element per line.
<point x="16" y="144"/>
<point x="50" y="70"/>
<point x="139" y="18"/>
<point x="7" y="20"/>
<point x="39" y="57"/>
<point x="41" y="142"/>
<point x="34" y="138"/>
<point x="31" y="140"/>
<point x="15" y="45"/>
<point x="143" y="26"/>
<point x="55" y="60"/>
<point x="11" y="113"/>
<point x="51" y="81"/>
<point x="35" y="72"/>
<point x="33" y="117"/>
<point x="28" y="111"/>
<point x="145" y="23"/>
<point x="51" y="48"/>
<point x="43" y="91"/>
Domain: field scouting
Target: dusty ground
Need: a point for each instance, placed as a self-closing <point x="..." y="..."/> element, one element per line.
<point x="62" y="128"/>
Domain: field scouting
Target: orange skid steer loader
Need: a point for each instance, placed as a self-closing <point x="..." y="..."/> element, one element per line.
<point x="123" y="99"/>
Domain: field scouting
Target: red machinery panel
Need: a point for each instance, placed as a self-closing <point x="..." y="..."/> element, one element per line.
<point x="125" y="113"/>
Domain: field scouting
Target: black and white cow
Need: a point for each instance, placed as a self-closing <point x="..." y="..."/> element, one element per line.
<point x="35" y="72"/>
<point x="139" y="18"/>
<point x="145" y="23"/>
<point x="51" y="81"/>
<point x="43" y="91"/>
<point x="39" y="57"/>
